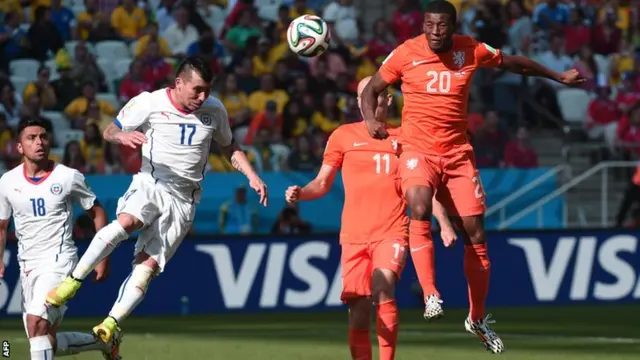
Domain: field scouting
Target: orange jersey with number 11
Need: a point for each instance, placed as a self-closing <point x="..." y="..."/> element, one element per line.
<point x="436" y="91"/>
<point x="374" y="208"/>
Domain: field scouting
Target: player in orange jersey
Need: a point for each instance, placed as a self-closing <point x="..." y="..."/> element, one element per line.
<point x="374" y="230"/>
<point x="436" y="70"/>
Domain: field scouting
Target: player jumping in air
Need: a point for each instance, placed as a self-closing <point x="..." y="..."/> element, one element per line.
<point x="436" y="70"/>
<point x="177" y="126"/>
<point x="373" y="235"/>
<point x="40" y="194"/>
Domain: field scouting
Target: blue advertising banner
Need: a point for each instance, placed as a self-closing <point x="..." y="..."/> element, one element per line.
<point x="284" y="274"/>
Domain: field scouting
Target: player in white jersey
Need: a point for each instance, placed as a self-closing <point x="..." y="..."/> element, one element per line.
<point x="40" y="194"/>
<point x="176" y="126"/>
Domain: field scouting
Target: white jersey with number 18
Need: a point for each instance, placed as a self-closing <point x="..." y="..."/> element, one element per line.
<point x="178" y="143"/>
<point x="42" y="211"/>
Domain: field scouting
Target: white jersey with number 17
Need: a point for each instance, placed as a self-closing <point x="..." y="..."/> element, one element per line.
<point x="42" y="211"/>
<point x="178" y="143"/>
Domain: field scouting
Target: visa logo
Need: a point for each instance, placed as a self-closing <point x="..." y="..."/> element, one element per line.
<point x="322" y="284"/>
<point x="605" y="270"/>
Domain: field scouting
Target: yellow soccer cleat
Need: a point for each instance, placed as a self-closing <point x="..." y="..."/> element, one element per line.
<point x="105" y="331"/>
<point x="59" y="295"/>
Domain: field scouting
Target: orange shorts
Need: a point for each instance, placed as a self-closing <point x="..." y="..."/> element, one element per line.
<point x="359" y="260"/>
<point x="455" y="178"/>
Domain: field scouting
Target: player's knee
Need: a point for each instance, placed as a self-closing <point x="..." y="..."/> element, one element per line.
<point x="360" y="313"/>
<point x="474" y="229"/>
<point x="419" y="201"/>
<point x="37" y="326"/>
<point x="383" y="285"/>
<point x="129" y="223"/>
<point x="141" y="276"/>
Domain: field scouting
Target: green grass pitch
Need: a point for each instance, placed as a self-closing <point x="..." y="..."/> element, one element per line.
<point x="567" y="333"/>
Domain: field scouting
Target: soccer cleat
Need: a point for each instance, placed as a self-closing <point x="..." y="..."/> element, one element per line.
<point x="107" y="330"/>
<point x="63" y="292"/>
<point x="489" y="338"/>
<point x="432" y="308"/>
<point x="112" y="351"/>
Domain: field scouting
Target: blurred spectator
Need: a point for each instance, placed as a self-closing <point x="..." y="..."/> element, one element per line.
<point x="628" y="130"/>
<point x="43" y="36"/>
<point x="490" y="141"/>
<point x="92" y="23"/>
<point x="237" y="11"/>
<point x="66" y="87"/>
<point x="290" y="223"/>
<point x="603" y="116"/>
<point x="85" y="68"/>
<point x="282" y="76"/>
<point x="13" y="40"/>
<point x="217" y="162"/>
<point x="5" y="139"/>
<point x="264" y="61"/>
<point x="556" y="60"/>
<point x="301" y="91"/>
<point x="550" y="15"/>
<point x="302" y="158"/>
<point x="236" y="38"/>
<point x="381" y="44"/>
<point x="210" y="49"/>
<point x="237" y="216"/>
<point x="244" y="75"/>
<point x="488" y="24"/>
<point x="134" y="83"/>
<point x="180" y="34"/>
<point x="77" y="108"/>
<point x="258" y="99"/>
<point x="269" y="118"/>
<point x="628" y="95"/>
<point x="152" y="35"/>
<point x="407" y="20"/>
<point x="607" y="36"/>
<point x="10" y="104"/>
<point x="43" y="88"/>
<point x="300" y="8"/>
<point x="320" y="82"/>
<point x="94" y="115"/>
<point x="92" y="150"/>
<point x="294" y="122"/>
<point x="262" y="143"/>
<point x="328" y="64"/>
<point x="156" y="69"/>
<point x="235" y="101"/>
<point x="577" y="33"/>
<point x="519" y="153"/>
<point x="277" y="30"/>
<point x="164" y="16"/>
<point x="128" y="20"/>
<point x="31" y="107"/>
<point x="112" y="160"/>
<point x="622" y="62"/>
<point x="614" y="9"/>
<point x="329" y="117"/>
<point x="64" y="20"/>
<point x="73" y="156"/>
<point x="586" y="65"/>
<point x="212" y="15"/>
<point x="520" y="27"/>
<point x="342" y="18"/>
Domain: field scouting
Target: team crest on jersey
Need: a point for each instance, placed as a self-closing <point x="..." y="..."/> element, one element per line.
<point x="56" y="189"/>
<point x="458" y="59"/>
<point x="206" y="119"/>
<point x="394" y="144"/>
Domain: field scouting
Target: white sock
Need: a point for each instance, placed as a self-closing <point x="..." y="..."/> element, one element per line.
<point x="41" y="348"/>
<point x="131" y="292"/>
<point x="101" y="246"/>
<point x="71" y="343"/>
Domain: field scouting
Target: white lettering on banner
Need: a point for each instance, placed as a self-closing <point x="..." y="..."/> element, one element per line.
<point x="235" y="288"/>
<point x="14" y="306"/>
<point x="547" y="278"/>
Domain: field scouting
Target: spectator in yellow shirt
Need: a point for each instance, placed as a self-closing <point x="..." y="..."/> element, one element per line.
<point x="264" y="61"/>
<point x="43" y="88"/>
<point x="90" y="19"/>
<point x="152" y="35"/>
<point x="299" y="8"/>
<point x="77" y="109"/>
<point x="258" y="100"/>
<point x="91" y="148"/>
<point x="235" y="101"/>
<point x="128" y="20"/>
<point x="5" y="134"/>
<point x="330" y="116"/>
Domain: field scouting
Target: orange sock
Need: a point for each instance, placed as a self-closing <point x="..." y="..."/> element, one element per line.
<point x="387" y="329"/>
<point x="360" y="344"/>
<point x="423" y="255"/>
<point x="477" y="269"/>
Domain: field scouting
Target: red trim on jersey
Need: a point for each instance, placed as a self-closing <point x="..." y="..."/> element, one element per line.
<point x="42" y="178"/>
<point x="185" y="112"/>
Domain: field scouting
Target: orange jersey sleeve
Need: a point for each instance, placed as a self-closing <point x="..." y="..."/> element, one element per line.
<point x="391" y="68"/>
<point x="333" y="151"/>
<point x="486" y="56"/>
<point x="374" y="208"/>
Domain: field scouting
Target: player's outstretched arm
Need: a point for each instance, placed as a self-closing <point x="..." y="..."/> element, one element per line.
<point x="447" y="233"/>
<point x="369" y="103"/>
<point x="4" y="225"/>
<point x="524" y="66"/>
<point x="316" y="188"/>
<point x="239" y="161"/>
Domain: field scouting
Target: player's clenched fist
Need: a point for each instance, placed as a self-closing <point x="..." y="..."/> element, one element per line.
<point x="377" y="130"/>
<point x="292" y="194"/>
<point x="133" y="139"/>
<point x="261" y="189"/>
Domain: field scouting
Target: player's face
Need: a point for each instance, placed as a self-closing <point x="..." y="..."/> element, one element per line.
<point x="192" y="91"/>
<point x="438" y="29"/>
<point x="34" y="143"/>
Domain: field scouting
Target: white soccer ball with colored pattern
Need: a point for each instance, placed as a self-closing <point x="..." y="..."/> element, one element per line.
<point x="308" y="35"/>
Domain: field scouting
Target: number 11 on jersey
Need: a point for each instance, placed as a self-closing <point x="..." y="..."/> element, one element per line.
<point x="379" y="159"/>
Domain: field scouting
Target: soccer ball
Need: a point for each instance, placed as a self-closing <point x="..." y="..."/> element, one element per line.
<point x="308" y="35"/>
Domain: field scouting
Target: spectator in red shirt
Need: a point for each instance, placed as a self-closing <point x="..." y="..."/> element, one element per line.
<point x="606" y="36"/>
<point x="133" y="84"/>
<point x="577" y="33"/>
<point x="490" y="141"/>
<point x="519" y="153"/>
<point x="380" y="44"/>
<point x="407" y="20"/>
<point x="269" y="118"/>
<point x="628" y="95"/>
<point x="629" y="127"/>
<point x="156" y="70"/>
<point x="603" y="116"/>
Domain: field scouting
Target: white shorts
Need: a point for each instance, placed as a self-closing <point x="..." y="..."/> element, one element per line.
<point x="167" y="219"/>
<point x="37" y="282"/>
